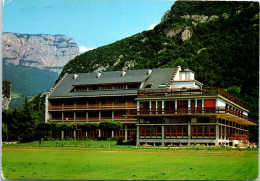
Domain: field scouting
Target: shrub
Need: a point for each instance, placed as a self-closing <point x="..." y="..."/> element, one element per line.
<point x="110" y="125"/>
<point x="43" y="126"/>
<point x="53" y="126"/>
<point x="88" y="126"/>
<point x="63" y="127"/>
<point x="120" y="141"/>
<point x="72" y="126"/>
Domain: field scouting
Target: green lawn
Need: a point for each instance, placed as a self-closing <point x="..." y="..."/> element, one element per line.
<point x="122" y="163"/>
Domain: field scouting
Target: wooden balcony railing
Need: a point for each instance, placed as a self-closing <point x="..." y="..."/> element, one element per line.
<point x="238" y="137"/>
<point x="91" y="119"/>
<point x="92" y="106"/>
<point x="189" y="91"/>
<point x="217" y="110"/>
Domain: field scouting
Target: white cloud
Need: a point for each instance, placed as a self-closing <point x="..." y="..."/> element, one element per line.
<point x="152" y="26"/>
<point x="7" y="2"/>
<point x="83" y="49"/>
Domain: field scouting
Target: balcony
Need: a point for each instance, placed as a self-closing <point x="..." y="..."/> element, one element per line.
<point x="205" y="111"/>
<point x="92" y="106"/>
<point x="189" y="92"/>
<point x="93" y="119"/>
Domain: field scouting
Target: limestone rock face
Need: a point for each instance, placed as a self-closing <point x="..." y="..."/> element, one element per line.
<point x="40" y="51"/>
<point x="6" y="94"/>
<point x="5" y="102"/>
<point x="186" y="34"/>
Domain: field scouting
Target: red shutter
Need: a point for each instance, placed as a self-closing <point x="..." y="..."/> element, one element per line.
<point x="182" y="103"/>
<point x="210" y="103"/>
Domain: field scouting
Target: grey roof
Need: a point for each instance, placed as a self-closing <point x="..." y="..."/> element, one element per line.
<point x="157" y="77"/>
<point x="160" y="76"/>
<point x="112" y="77"/>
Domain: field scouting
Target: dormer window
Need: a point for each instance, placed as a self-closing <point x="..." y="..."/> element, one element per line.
<point x="162" y="85"/>
<point x="79" y="88"/>
<point x="148" y="85"/>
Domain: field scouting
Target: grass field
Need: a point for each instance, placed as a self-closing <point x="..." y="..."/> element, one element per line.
<point x="95" y="160"/>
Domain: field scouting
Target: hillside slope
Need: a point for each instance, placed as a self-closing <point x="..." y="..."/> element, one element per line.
<point x="217" y="40"/>
<point x="27" y="82"/>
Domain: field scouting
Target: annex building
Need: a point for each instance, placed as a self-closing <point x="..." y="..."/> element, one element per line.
<point x="155" y="106"/>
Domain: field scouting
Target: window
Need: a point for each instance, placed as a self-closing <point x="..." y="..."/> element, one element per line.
<point x="106" y="87"/>
<point x="120" y="86"/>
<point x="176" y="131"/>
<point x="133" y="86"/>
<point x="80" y="88"/>
<point x="203" y="131"/>
<point x="90" y="88"/>
<point x="162" y="85"/>
<point x="148" y="85"/>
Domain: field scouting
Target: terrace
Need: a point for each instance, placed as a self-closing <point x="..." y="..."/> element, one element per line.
<point x="207" y="91"/>
<point x="223" y="113"/>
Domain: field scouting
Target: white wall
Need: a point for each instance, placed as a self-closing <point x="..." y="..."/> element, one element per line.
<point x="184" y="76"/>
<point x="220" y="103"/>
<point x="177" y="76"/>
<point x="245" y="113"/>
<point x="187" y="84"/>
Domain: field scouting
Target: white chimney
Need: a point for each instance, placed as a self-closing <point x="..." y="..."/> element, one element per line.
<point x="123" y="73"/>
<point x="75" y="76"/>
<point x="149" y="72"/>
<point x="98" y="74"/>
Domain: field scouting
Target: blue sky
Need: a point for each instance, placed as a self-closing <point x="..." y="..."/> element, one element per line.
<point x="91" y="23"/>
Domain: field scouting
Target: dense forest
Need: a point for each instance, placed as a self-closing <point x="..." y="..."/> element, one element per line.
<point x="217" y="40"/>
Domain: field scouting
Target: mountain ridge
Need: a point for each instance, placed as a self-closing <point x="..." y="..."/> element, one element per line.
<point x="38" y="50"/>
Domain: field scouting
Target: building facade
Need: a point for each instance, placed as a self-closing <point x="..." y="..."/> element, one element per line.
<point x="155" y="106"/>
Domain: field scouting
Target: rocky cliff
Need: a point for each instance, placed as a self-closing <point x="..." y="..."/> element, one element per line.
<point x="6" y="94"/>
<point x="40" y="51"/>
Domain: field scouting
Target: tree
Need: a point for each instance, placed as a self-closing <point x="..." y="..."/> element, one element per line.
<point x="110" y="126"/>
<point x="26" y="122"/>
<point x="88" y="126"/>
<point x="43" y="129"/>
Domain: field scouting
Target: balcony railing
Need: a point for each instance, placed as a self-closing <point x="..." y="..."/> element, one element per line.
<point x="216" y="110"/>
<point x="91" y="119"/>
<point x="238" y="137"/>
<point x="189" y="91"/>
<point x="92" y="106"/>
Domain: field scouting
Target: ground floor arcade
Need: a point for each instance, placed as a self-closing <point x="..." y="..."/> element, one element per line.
<point x="183" y="130"/>
<point x="128" y="132"/>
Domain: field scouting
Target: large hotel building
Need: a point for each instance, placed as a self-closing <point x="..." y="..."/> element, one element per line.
<point x="155" y="106"/>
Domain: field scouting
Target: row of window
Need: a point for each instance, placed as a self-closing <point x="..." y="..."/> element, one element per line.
<point x="90" y="101"/>
<point x="106" y="87"/>
<point x="177" y="131"/>
<point x="176" y="120"/>
<point x="181" y="131"/>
